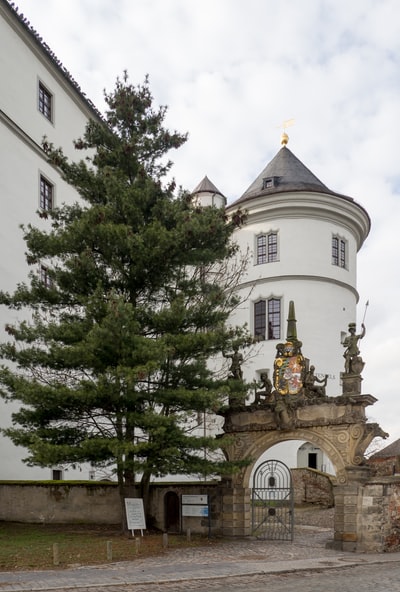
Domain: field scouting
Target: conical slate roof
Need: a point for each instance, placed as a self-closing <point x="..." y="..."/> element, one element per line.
<point x="206" y="186"/>
<point x="285" y="173"/>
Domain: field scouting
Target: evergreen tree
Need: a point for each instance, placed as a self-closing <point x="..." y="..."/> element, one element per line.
<point x="112" y="366"/>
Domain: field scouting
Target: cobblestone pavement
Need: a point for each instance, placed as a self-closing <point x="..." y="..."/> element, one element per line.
<point x="370" y="578"/>
<point x="252" y="563"/>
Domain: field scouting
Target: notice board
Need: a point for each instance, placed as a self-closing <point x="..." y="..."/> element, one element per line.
<point x="135" y="513"/>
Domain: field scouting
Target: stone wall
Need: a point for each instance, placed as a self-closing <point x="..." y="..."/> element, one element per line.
<point x="312" y="487"/>
<point x="163" y="514"/>
<point x="59" y="502"/>
<point x="385" y="467"/>
<point x="380" y="515"/>
<point x="98" y="503"/>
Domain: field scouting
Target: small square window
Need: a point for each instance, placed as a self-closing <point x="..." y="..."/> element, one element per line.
<point x="46" y="194"/>
<point x="270" y="182"/>
<point x="45" y="102"/>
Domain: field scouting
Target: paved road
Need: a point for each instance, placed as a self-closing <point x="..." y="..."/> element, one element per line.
<point x="366" y="578"/>
<point x="370" y="578"/>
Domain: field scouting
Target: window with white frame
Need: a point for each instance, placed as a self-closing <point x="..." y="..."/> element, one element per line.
<point x="267" y="319"/>
<point x="267" y="248"/>
<point x="339" y="251"/>
<point x="46" y="200"/>
<point x="45" y="102"/>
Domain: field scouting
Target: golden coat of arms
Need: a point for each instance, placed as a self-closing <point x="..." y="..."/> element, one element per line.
<point x="289" y="368"/>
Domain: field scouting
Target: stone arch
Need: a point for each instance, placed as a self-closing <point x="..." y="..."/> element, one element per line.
<point x="337" y="425"/>
<point x="265" y="440"/>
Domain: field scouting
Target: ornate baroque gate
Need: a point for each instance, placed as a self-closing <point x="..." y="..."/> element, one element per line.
<point x="272" y="502"/>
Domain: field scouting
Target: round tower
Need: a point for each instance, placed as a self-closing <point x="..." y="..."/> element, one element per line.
<point x="302" y="239"/>
<point x="206" y="194"/>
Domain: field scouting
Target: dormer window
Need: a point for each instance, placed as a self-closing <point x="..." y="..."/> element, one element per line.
<point x="270" y="182"/>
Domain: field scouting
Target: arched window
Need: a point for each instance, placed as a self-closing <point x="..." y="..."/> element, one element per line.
<point x="267" y="319"/>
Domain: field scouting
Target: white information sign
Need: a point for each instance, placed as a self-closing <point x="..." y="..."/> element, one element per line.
<point x="135" y="513"/>
<point x="194" y="510"/>
<point x="195" y="499"/>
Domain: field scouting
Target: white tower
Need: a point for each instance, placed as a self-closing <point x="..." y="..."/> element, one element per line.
<point x="303" y="241"/>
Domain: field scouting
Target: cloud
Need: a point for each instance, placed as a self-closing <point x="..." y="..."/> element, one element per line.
<point x="231" y="72"/>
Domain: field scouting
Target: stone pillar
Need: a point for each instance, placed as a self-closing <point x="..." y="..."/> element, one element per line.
<point x="348" y="510"/>
<point x="236" y="514"/>
<point x="351" y="383"/>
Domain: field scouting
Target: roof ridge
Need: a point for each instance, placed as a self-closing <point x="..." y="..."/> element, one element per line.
<point x="50" y="54"/>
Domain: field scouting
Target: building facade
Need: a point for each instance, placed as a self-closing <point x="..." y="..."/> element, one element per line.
<point x="39" y="99"/>
<point x="301" y="239"/>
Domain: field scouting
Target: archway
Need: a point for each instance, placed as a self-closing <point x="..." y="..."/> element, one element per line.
<point x="172" y="512"/>
<point x="336" y="425"/>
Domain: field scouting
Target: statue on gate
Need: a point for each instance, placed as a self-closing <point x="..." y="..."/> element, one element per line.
<point x="310" y="387"/>
<point x="263" y="396"/>
<point x="236" y="364"/>
<point x="353" y="362"/>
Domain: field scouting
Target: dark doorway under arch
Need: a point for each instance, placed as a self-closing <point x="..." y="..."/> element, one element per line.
<point x="171" y="512"/>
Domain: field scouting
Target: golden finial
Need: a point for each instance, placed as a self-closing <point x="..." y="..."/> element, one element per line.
<point x="284" y="137"/>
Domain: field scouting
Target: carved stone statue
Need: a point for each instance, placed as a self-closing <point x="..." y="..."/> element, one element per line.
<point x="236" y="364"/>
<point x="280" y="409"/>
<point x="353" y="362"/>
<point x="266" y="386"/>
<point x="310" y="380"/>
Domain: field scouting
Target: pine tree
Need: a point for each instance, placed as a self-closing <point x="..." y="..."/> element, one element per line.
<point x="112" y="367"/>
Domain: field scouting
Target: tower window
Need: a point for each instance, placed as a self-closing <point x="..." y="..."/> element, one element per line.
<point x="46" y="194"/>
<point x="267" y="319"/>
<point x="259" y="319"/>
<point x="272" y="246"/>
<point x="267" y="248"/>
<point x="45" y="102"/>
<point x="339" y="251"/>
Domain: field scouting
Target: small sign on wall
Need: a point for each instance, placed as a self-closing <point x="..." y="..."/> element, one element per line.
<point x="195" y="499"/>
<point x="196" y="506"/>
<point x="195" y="511"/>
<point x="135" y="514"/>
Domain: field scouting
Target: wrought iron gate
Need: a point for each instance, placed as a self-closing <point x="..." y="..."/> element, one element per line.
<point x="272" y="502"/>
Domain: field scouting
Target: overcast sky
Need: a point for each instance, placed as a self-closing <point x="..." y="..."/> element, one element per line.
<point x="230" y="72"/>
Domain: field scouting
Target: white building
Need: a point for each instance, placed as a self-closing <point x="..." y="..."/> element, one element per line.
<point x="303" y="238"/>
<point x="38" y="98"/>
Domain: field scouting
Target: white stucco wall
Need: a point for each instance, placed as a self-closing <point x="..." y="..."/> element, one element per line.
<point x="22" y="161"/>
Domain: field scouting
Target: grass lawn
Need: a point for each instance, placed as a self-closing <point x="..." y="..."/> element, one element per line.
<point x="31" y="546"/>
